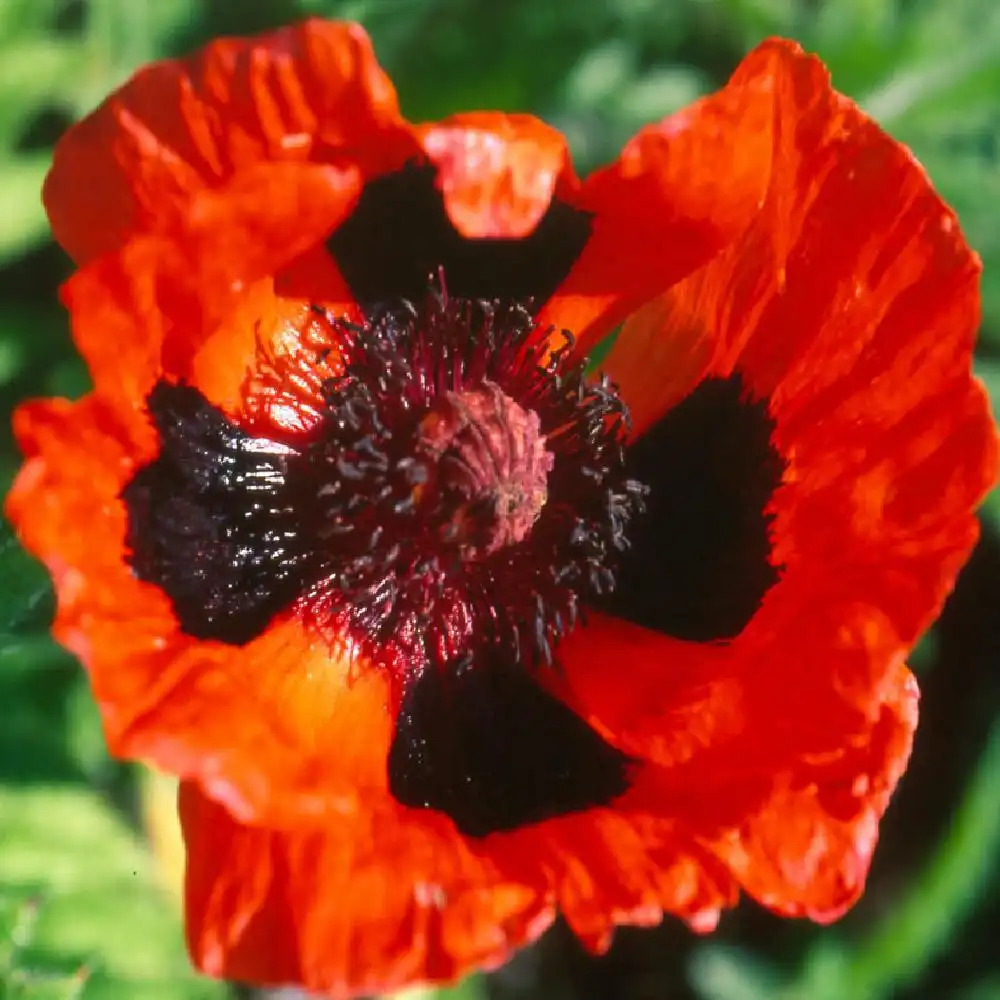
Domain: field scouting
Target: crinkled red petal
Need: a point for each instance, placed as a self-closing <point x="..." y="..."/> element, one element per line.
<point x="680" y="191"/>
<point x="818" y="715"/>
<point x="258" y="725"/>
<point x="498" y="173"/>
<point x="392" y="897"/>
<point x="850" y="305"/>
<point x="310" y="93"/>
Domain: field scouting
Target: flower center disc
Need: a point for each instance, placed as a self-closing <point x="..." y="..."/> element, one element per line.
<point x="490" y="466"/>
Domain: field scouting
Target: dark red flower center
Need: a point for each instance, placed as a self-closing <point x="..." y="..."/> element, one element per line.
<point x="471" y="481"/>
<point x="465" y="486"/>
<point x="489" y="469"/>
<point x="461" y="496"/>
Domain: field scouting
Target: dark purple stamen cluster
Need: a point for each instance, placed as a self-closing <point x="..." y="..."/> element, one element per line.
<point x="468" y="483"/>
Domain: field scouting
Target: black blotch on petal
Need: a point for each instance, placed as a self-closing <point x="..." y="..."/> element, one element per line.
<point x="494" y="751"/>
<point x="699" y="563"/>
<point x="399" y="234"/>
<point x="207" y="520"/>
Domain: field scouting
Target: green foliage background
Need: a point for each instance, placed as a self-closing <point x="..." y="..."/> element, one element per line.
<point x="82" y="913"/>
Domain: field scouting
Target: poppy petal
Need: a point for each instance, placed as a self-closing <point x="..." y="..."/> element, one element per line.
<point x="679" y="192"/>
<point x="314" y="728"/>
<point x="153" y="311"/>
<point x="847" y="310"/>
<point x="812" y="736"/>
<point x="675" y="345"/>
<point x="400" y="234"/>
<point x="850" y="242"/>
<point x="321" y="907"/>
<point x="310" y="92"/>
<point x="806" y="852"/>
<point x="493" y="207"/>
<point x="498" y="173"/>
<point x="676" y="699"/>
<point x="197" y="290"/>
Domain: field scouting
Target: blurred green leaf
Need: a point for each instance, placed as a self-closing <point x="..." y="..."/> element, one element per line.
<point x="24" y="587"/>
<point x="83" y="734"/>
<point x="24" y="223"/>
<point x="987" y="988"/>
<point x="722" y="972"/>
<point x="470" y="988"/>
<point x="755" y="19"/>
<point x="658" y="93"/>
<point x="25" y="18"/>
<point x="988" y="370"/>
<point x="991" y="509"/>
<point x="913" y="94"/>
<point x="34" y="682"/>
<point x="597" y="77"/>
<point x="96" y="913"/>
<point x="119" y="37"/>
<point x="925" y="654"/>
<point x="32" y="337"/>
<point x="35" y="74"/>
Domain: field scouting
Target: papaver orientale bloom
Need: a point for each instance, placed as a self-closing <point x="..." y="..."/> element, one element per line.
<point x="444" y="631"/>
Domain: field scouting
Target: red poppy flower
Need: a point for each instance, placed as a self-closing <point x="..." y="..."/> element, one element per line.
<point x="347" y="538"/>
